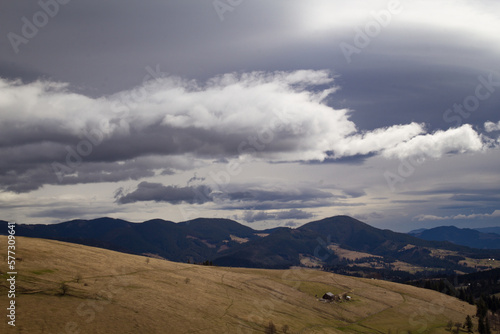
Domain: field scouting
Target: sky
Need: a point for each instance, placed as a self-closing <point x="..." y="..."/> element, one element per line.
<point x="271" y="113"/>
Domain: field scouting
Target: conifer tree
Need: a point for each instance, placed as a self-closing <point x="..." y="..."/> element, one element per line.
<point x="468" y="324"/>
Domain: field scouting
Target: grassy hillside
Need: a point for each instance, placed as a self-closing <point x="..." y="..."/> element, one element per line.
<point x="70" y="288"/>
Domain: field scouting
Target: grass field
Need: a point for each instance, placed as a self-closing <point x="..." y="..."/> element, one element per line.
<point x="349" y="254"/>
<point x="69" y="288"/>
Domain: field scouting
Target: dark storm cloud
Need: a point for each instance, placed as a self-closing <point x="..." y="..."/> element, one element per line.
<point x="147" y="191"/>
<point x="195" y="179"/>
<point x="357" y="159"/>
<point x="154" y="139"/>
<point x="93" y="144"/>
<point x="235" y="196"/>
<point x="26" y="176"/>
<point x="410" y="201"/>
<point x="12" y="70"/>
<point x="251" y="197"/>
<point x="454" y="191"/>
<point x="278" y="204"/>
<point x="461" y="207"/>
<point x="285" y="120"/>
<point x="251" y="216"/>
<point x="354" y="193"/>
<point x="72" y="213"/>
<point x="460" y="203"/>
<point x="476" y="198"/>
<point x="294" y="214"/>
<point x="472" y="199"/>
<point x="281" y="195"/>
<point x="461" y="216"/>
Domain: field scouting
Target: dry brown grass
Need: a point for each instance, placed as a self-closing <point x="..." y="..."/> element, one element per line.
<point x="349" y="254"/>
<point x="238" y="239"/>
<point x="468" y="262"/>
<point x="110" y="292"/>
<point x="309" y="261"/>
<point x="490" y="263"/>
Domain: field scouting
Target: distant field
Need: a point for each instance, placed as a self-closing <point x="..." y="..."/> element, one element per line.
<point x="488" y="263"/>
<point x="69" y="288"/>
<point x="349" y="254"/>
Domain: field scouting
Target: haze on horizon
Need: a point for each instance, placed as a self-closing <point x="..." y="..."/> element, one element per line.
<point x="271" y="114"/>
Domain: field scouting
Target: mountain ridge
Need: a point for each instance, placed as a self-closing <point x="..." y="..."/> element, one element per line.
<point x="322" y="243"/>
<point x="460" y="236"/>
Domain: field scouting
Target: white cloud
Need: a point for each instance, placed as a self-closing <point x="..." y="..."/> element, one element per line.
<point x="429" y="217"/>
<point x="457" y="140"/>
<point x="275" y="116"/>
<point x="494" y="214"/>
<point x="377" y="140"/>
<point x="490" y="126"/>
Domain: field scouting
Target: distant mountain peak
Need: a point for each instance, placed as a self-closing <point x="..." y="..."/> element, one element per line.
<point x="460" y="236"/>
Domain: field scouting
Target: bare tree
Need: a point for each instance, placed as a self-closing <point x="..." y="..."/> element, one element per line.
<point x="64" y="289"/>
<point x="78" y="278"/>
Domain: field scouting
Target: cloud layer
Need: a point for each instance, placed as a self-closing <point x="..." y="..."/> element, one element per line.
<point x="50" y="135"/>
<point x="494" y="214"/>
<point x="230" y="196"/>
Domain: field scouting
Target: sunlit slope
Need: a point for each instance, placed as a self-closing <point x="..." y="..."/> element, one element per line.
<point x="70" y="288"/>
